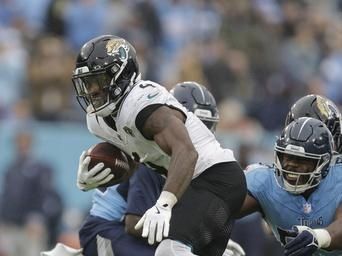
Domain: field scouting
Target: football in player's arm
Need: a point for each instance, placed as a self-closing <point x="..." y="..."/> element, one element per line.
<point x="197" y="99"/>
<point x="300" y="196"/>
<point x="144" y="189"/>
<point x="144" y="120"/>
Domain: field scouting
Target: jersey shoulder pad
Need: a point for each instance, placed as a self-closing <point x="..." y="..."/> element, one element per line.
<point x="144" y="94"/>
<point x="148" y="92"/>
<point x="259" y="175"/>
<point x="337" y="159"/>
<point x="257" y="166"/>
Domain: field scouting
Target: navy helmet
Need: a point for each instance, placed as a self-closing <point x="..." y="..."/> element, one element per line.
<point x="199" y="100"/>
<point x="308" y="141"/>
<point x="321" y="108"/>
<point x="109" y="63"/>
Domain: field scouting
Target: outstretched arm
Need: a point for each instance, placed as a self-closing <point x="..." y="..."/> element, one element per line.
<point x="250" y="205"/>
<point x="130" y="222"/>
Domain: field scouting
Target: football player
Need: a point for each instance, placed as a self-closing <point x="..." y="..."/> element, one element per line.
<point x="300" y="196"/>
<point x="323" y="109"/>
<point x="104" y="229"/>
<point x="103" y="232"/>
<point x="105" y="223"/>
<point x="197" y="99"/>
<point x="205" y="186"/>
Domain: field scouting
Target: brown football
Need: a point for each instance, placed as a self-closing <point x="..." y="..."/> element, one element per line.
<point x="113" y="158"/>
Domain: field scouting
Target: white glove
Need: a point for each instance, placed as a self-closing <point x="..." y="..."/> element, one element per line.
<point x="156" y="220"/>
<point x="233" y="249"/>
<point x="93" y="178"/>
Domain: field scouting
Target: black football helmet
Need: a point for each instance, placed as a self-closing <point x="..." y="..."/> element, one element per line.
<point x="199" y="100"/>
<point x="321" y="108"/>
<point x="308" y="141"/>
<point x="106" y="69"/>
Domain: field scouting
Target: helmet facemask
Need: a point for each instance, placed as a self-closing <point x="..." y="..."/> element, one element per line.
<point x="298" y="181"/>
<point x="335" y="129"/>
<point x="207" y="118"/>
<point x="302" y="155"/>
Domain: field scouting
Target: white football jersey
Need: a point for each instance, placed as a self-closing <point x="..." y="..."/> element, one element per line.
<point x="129" y="139"/>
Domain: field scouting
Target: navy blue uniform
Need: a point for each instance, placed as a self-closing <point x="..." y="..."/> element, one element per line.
<point x="104" y="229"/>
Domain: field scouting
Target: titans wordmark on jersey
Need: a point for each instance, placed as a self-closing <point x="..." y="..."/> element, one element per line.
<point x="282" y="210"/>
<point x="129" y="139"/>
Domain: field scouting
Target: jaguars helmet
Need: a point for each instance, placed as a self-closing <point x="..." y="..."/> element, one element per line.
<point x="308" y="141"/>
<point x="199" y="100"/>
<point x="106" y="69"/>
<point x="321" y="108"/>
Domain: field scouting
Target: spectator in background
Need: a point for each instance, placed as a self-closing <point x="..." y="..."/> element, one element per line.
<point x="331" y="65"/>
<point x="54" y="19"/>
<point x="49" y="85"/>
<point x="30" y="207"/>
<point x="84" y="19"/>
<point x="300" y="57"/>
<point x="13" y="58"/>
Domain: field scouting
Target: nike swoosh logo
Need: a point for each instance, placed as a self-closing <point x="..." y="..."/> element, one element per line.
<point x="150" y="96"/>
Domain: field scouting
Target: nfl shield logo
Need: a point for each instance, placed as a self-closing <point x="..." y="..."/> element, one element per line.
<point x="307" y="208"/>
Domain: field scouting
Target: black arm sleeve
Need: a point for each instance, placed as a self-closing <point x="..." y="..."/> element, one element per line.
<point x="144" y="114"/>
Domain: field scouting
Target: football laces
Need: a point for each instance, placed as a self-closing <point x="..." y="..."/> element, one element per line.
<point x="121" y="164"/>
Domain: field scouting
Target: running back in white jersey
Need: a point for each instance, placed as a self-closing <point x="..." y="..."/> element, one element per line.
<point x="129" y="139"/>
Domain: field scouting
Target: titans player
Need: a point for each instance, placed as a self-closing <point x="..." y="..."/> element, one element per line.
<point x="104" y="229"/>
<point x="300" y="196"/>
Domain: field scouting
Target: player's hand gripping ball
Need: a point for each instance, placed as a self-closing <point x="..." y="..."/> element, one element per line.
<point x="113" y="158"/>
<point x="103" y="165"/>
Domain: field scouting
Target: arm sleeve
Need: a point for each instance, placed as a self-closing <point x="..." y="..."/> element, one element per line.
<point x="144" y="114"/>
<point x="144" y="189"/>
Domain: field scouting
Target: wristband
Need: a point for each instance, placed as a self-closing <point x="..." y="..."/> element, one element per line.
<point x="167" y="199"/>
<point x="323" y="237"/>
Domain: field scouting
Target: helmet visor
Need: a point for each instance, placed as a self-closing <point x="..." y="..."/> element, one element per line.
<point x="298" y="173"/>
<point x="93" y="89"/>
<point x="206" y="116"/>
<point x="210" y="124"/>
<point x="296" y="170"/>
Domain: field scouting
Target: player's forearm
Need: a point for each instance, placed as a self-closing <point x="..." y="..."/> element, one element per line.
<point x="130" y="222"/>
<point x="335" y="231"/>
<point x="180" y="171"/>
<point x="250" y="205"/>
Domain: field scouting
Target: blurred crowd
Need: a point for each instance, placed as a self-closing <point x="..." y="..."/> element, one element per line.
<point x="256" y="56"/>
<point x="263" y="53"/>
